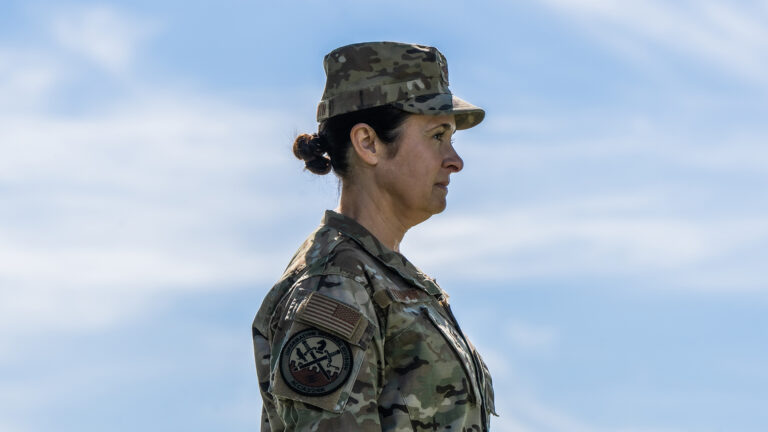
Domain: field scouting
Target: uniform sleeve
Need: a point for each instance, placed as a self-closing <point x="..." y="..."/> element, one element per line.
<point x="326" y="357"/>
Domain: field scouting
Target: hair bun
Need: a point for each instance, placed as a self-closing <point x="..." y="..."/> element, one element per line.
<point x="310" y="149"/>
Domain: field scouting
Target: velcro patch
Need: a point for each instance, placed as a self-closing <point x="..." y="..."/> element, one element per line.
<point x="382" y="298"/>
<point x="408" y="295"/>
<point x="315" y="363"/>
<point x="332" y="315"/>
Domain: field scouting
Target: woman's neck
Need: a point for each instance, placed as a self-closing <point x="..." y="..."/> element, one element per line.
<point x="375" y="214"/>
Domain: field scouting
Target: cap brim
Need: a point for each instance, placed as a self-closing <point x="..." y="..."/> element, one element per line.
<point x="466" y="114"/>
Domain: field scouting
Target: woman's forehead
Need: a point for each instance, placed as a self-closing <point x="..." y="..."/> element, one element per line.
<point x="428" y="122"/>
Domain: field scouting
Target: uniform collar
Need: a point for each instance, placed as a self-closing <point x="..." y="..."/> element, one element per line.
<point x="373" y="246"/>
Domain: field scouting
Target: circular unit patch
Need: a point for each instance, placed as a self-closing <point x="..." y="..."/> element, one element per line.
<point x="315" y="363"/>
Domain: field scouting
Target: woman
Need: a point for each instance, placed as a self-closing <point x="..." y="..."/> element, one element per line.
<point x="354" y="337"/>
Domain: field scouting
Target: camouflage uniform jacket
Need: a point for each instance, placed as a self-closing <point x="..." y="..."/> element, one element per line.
<point x="355" y="338"/>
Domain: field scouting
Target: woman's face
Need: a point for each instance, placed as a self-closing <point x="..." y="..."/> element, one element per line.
<point x="416" y="178"/>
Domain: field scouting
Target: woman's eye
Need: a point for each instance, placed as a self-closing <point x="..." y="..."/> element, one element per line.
<point x="438" y="136"/>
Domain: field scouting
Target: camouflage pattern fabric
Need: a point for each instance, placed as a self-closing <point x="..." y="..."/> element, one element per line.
<point x="411" y="77"/>
<point x="355" y="338"/>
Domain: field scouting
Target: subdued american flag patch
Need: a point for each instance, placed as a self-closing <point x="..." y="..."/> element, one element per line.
<point x="333" y="315"/>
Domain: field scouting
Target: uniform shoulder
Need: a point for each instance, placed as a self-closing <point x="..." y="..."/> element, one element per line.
<point x="310" y="257"/>
<point x="351" y="260"/>
<point x="328" y="262"/>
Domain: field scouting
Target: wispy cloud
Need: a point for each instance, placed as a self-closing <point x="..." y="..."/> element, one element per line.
<point x="529" y="337"/>
<point x="109" y="207"/>
<point x="729" y="37"/>
<point x="652" y="196"/>
<point x="26" y="78"/>
<point x="114" y="209"/>
<point x="528" y="414"/>
<point x="585" y="237"/>
<point x="101" y="34"/>
<point x="522" y="407"/>
<point x="141" y="198"/>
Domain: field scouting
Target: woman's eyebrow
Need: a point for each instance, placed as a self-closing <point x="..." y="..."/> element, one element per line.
<point x="446" y="126"/>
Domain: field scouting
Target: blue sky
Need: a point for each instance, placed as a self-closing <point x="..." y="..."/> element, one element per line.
<point x="604" y="246"/>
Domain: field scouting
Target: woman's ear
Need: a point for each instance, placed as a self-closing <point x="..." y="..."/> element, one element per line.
<point x="366" y="143"/>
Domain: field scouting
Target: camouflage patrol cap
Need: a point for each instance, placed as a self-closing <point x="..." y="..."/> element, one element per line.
<point x="411" y="77"/>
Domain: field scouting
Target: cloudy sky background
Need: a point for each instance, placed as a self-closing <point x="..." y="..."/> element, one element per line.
<point x="604" y="247"/>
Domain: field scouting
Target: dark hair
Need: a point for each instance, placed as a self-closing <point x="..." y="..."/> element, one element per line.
<point x="332" y="138"/>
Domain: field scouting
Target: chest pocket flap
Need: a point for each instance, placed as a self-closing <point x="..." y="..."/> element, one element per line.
<point x="457" y="344"/>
